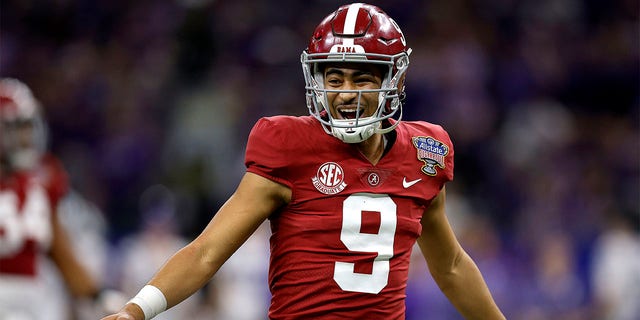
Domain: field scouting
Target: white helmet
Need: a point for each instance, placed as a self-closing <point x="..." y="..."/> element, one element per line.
<point x="18" y="107"/>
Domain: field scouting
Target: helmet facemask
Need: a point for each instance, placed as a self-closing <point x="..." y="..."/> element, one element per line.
<point x="24" y="142"/>
<point x="361" y="127"/>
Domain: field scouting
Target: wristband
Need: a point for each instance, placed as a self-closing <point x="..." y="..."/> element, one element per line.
<point x="151" y="300"/>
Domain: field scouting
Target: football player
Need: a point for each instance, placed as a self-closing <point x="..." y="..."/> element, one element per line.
<point x="32" y="183"/>
<point x="348" y="191"/>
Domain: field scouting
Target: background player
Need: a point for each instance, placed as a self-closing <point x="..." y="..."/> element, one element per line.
<point x="32" y="184"/>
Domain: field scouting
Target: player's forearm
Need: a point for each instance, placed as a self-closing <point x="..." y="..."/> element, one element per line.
<point x="77" y="278"/>
<point x="185" y="273"/>
<point x="467" y="290"/>
<point x="181" y="276"/>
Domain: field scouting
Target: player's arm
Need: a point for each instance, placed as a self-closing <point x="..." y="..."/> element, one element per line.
<point x="77" y="278"/>
<point x="193" y="266"/>
<point x="451" y="267"/>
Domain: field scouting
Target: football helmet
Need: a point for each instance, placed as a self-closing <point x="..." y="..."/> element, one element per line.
<point x="358" y="33"/>
<point x="23" y="133"/>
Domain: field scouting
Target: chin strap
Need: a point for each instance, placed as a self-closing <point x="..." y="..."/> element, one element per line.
<point x="362" y="133"/>
<point x="391" y="127"/>
<point x="356" y="135"/>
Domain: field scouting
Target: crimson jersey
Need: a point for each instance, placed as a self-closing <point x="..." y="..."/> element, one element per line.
<point x="27" y="202"/>
<point x="340" y="249"/>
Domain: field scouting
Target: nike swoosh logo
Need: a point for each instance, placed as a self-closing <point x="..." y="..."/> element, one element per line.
<point x="407" y="184"/>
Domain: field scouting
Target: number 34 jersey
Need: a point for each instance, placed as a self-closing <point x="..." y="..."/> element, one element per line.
<point x="27" y="202"/>
<point x="340" y="249"/>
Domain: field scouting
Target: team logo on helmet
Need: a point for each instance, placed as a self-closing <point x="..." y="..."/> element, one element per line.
<point x="329" y="179"/>
<point x="432" y="152"/>
<point x="338" y="48"/>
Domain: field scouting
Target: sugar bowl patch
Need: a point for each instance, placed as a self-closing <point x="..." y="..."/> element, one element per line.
<point x="432" y="152"/>
<point x="329" y="178"/>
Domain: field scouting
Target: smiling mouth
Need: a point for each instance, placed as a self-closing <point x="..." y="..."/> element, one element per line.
<point x="350" y="112"/>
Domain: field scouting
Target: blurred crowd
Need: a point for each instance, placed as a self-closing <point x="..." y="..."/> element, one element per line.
<point x="149" y="104"/>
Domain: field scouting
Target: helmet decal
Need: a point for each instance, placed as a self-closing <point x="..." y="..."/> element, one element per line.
<point x="349" y="29"/>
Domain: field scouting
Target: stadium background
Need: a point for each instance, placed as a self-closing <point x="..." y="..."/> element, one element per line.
<point x="149" y="104"/>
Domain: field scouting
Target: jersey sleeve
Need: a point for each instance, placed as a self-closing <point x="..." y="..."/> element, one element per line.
<point x="448" y="159"/>
<point x="435" y="149"/>
<point x="266" y="153"/>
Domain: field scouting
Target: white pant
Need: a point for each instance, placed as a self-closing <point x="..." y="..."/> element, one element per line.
<point x="29" y="298"/>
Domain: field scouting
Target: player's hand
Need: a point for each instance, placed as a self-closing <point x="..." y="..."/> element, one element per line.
<point x="129" y="312"/>
<point x="119" y="316"/>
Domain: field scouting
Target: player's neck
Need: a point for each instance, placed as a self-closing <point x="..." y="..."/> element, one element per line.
<point x="372" y="148"/>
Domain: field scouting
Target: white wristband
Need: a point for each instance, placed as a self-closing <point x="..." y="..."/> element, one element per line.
<point x="151" y="300"/>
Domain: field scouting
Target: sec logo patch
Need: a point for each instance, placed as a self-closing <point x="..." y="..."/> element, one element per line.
<point x="329" y="178"/>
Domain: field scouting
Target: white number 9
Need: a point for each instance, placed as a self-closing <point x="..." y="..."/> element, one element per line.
<point x="380" y="243"/>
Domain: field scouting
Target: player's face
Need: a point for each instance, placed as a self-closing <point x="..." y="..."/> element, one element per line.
<point x="352" y="76"/>
<point x="16" y="139"/>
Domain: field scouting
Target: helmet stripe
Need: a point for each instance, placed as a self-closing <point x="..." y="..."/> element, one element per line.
<point x="350" y="23"/>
